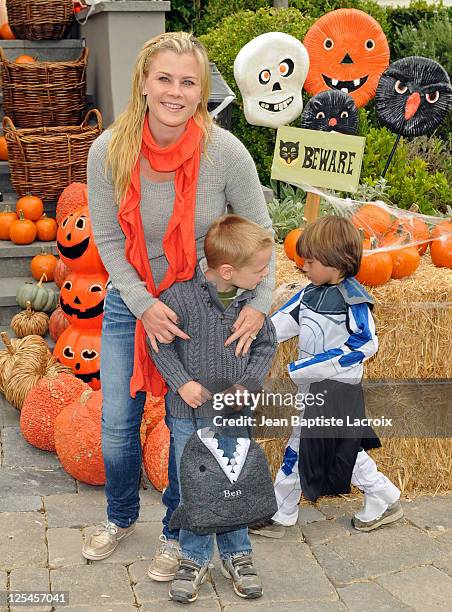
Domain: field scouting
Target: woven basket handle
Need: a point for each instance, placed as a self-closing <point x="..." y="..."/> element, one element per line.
<point x="8" y="124"/>
<point x="89" y="115"/>
<point x="2" y="55"/>
<point x="84" y="55"/>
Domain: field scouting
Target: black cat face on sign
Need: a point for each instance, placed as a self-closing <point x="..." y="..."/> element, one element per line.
<point x="288" y="151"/>
<point x="330" y="111"/>
<point x="414" y="96"/>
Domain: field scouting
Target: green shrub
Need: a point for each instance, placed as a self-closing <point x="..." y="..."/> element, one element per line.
<point x="316" y="9"/>
<point x="225" y="42"/>
<point x="216" y="10"/>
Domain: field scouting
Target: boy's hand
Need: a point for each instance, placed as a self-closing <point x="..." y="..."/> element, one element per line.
<point x="194" y="394"/>
<point x="247" y="325"/>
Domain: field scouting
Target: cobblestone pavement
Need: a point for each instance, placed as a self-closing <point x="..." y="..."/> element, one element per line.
<point x="321" y="565"/>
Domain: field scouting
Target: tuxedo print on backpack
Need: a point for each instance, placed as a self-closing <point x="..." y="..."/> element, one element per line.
<point x="414" y="96"/>
<point x="331" y="111"/>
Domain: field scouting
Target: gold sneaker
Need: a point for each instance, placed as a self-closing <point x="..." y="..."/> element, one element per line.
<point x="166" y="560"/>
<point x="102" y="542"/>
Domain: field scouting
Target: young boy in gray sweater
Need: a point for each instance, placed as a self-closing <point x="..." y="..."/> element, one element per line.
<point x="238" y="253"/>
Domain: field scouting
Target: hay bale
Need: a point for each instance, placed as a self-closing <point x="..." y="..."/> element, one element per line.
<point x="414" y="325"/>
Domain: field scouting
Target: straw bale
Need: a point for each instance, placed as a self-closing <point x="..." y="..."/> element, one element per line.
<point x="414" y="325"/>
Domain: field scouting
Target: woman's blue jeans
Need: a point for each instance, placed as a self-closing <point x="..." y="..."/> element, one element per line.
<point x="199" y="548"/>
<point x="121" y="419"/>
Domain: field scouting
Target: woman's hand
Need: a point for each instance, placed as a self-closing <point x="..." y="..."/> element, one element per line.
<point x="246" y="327"/>
<point x="160" y="323"/>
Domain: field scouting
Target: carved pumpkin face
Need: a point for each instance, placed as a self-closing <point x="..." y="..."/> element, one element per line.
<point x="82" y="299"/>
<point x="348" y="51"/>
<point x="76" y="243"/>
<point x="79" y="349"/>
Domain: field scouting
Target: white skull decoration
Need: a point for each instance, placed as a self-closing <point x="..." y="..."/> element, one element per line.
<point x="270" y="72"/>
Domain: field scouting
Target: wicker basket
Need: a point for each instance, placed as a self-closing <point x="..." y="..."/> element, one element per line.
<point x="40" y="19"/>
<point x="44" y="94"/>
<point x="44" y="161"/>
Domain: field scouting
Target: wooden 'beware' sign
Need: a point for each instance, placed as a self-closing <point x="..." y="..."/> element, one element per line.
<point x="323" y="159"/>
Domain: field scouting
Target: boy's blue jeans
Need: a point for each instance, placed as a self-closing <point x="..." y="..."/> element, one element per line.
<point x="199" y="548"/>
<point x="121" y="419"/>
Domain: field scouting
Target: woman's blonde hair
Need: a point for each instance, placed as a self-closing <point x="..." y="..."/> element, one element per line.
<point x="335" y="242"/>
<point x="125" y="143"/>
<point x="234" y="240"/>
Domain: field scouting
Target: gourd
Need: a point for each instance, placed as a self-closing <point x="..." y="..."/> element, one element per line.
<point x="41" y="298"/>
<point x="73" y="197"/>
<point x="7" y="216"/>
<point x="78" y="438"/>
<point x="57" y="323"/>
<point x="153" y="413"/>
<point x="441" y="250"/>
<point x="373" y="220"/>
<point x="43" y="265"/>
<point x="290" y="242"/>
<point x="44" y="403"/>
<point x="28" y="322"/>
<point x="60" y="273"/>
<point x="375" y="268"/>
<point x="31" y="206"/>
<point x="156" y="456"/>
<point x="46" y="228"/>
<point x="22" y="230"/>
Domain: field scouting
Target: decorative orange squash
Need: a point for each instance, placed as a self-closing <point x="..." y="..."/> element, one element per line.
<point x="22" y="231"/>
<point x="375" y="268"/>
<point x="3" y="149"/>
<point x="156" y="456"/>
<point x="6" y="33"/>
<point x="298" y="261"/>
<point x="79" y="349"/>
<point x="443" y="227"/>
<point x="43" y="264"/>
<point x="46" y="228"/>
<point x="404" y="261"/>
<point x="441" y="250"/>
<point x="76" y="244"/>
<point x="417" y="229"/>
<point x="290" y="242"/>
<point x="74" y="197"/>
<point x="82" y="299"/>
<point x="372" y="219"/>
<point x="7" y="216"/>
<point x="32" y="207"/>
<point x="153" y="413"/>
<point x="57" y="324"/>
<point x="348" y="51"/>
<point x="60" y="273"/>
<point x="78" y="438"/>
<point x="24" y="59"/>
<point x="44" y="403"/>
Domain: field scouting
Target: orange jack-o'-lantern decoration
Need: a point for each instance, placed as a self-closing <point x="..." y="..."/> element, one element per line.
<point x="76" y="243"/>
<point x="82" y="299"/>
<point x="348" y="51"/>
<point x="79" y="349"/>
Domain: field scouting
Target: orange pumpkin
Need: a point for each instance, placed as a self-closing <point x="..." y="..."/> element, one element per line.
<point x="372" y="219"/>
<point x="290" y="242"/>
<point x="82" y="299"/>
<point x="298" y="261"/>
<point x="24" y="59"/>
<point x="404" y="261"/>
<point x="61" y="273"/>
<point x="57" y="324"/>
<point x="31" y="206"/>
<point x="441" y="250"/>
<point x="76" y="244"/>
<point x="6" y="33"/>
<point x="22" y="231"/>
<point x="44" y="263"/>
<point x="43" y="404"/>
<point x="3" y="149"/>
<point x="46" y="228"/>
<point x="348" y="51"/>
<point x="78" y="438"/>
<point x="441" y="228"/>
<point x="7" y="216"/>
<point x="417" y="230"/>
<point x="153" y="413"/>
<point x="156" y="455"/>
<point x="375" y="268"/>
<point x="74" y="197"/>
<point x="79" y="349"/>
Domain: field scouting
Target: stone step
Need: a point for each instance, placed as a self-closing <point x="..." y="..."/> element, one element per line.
<point x="11" y="334"/>
<point x="15" y="259"/>
<point x="68" y="49"/>
<point x="8" y="289"/>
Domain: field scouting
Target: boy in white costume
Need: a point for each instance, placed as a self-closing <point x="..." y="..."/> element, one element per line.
<point x="332" y="317"/>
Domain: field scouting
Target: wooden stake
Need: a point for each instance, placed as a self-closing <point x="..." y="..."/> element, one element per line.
<point x="311" y="211"/>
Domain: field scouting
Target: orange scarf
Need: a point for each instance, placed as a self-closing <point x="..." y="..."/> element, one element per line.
<point x="178" y="243"/>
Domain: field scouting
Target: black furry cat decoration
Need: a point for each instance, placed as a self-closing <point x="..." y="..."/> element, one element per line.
<point x="414" y="95"/>
<point x="331" y="111"/>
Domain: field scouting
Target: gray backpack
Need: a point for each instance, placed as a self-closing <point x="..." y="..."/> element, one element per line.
<point x="219" y="495"/>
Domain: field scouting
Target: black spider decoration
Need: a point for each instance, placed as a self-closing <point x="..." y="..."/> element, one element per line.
<point x="331" y="110"/>
<point x="413" y="97"/>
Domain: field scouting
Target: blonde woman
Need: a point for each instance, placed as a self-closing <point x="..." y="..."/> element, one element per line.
<point x="156" y="180"/>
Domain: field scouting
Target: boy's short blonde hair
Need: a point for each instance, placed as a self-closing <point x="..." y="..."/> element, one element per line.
<point x="335" y="242"/>
<point x="234" y="240"/>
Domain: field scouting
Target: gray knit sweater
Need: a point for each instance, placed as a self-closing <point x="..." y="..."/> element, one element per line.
<point x="227" y="175"/>
<point x="204" y="358"/>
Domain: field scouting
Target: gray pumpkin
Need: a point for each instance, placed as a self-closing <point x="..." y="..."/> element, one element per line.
<point x="42" y="299"/>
